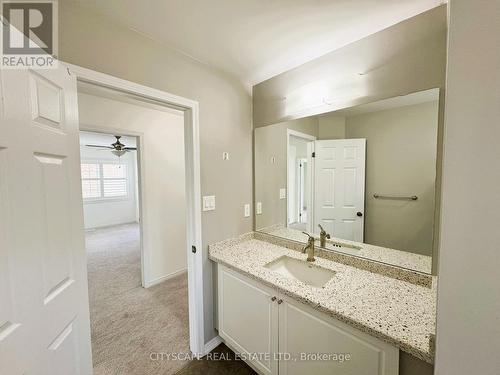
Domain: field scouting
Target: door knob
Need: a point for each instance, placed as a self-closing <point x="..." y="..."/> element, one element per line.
<point x="273" y="299"/>
<point x="359" y="213"/>
<point x="280" y="301"/>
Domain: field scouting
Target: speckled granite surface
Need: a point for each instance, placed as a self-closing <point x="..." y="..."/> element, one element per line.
<point x="399" y="273"/>
<point x="398" y="312"/>
<point x="416" y="262"/>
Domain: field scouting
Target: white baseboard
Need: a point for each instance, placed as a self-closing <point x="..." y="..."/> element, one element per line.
<point x="153" y="282"/>
<point x="212" y="344"/>
<point x="91" y="229"/>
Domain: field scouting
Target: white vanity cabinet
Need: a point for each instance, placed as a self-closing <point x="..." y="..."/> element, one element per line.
<point x="248" y="319"/>
<point x="281" y="336"/>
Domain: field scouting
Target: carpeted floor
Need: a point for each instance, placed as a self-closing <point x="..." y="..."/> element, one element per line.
<point x="129" y="322"/>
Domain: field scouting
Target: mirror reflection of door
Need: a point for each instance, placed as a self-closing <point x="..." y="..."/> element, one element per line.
<point x="339" y="187"/>
<point x="335" y="187"/>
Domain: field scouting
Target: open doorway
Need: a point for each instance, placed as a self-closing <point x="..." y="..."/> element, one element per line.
<point x="110" y="192"/>
<point x="136" y="235"/>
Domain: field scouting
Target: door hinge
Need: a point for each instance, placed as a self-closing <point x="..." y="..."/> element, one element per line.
<point x="193" y="249"/>
<point x="313" y="154"/>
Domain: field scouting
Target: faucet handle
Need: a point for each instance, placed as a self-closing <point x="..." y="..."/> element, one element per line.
<point x="323" y="232"/>
<point x="311" y="238"/>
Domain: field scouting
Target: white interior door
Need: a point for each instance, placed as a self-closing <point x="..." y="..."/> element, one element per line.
<point x="44" y="315"/>
<point x="339" y="187"/>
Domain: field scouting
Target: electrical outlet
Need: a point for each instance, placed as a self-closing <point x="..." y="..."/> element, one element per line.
<point x="209" y="203"/>
<point x="247" y="210"/>
<point x="225" y="156"/>
<point x="258" y="209"/>
<point x="282" y="193"/>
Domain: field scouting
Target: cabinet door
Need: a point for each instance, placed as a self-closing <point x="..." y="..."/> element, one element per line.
<point x="248" y="319"/>
<point x="304" y="331"/>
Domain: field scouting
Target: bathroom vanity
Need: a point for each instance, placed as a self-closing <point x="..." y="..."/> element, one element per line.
<point x="359" y="185"/>
<point x="285" y="315"/>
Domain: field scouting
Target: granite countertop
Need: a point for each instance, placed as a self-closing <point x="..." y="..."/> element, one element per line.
<point x="395" y="311"/>
<point x="405" y="259"/>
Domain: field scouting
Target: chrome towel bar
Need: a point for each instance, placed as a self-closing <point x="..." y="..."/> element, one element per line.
<point x="380" y="196"/>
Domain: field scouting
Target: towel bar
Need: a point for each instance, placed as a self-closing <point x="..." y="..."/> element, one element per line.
<point x="409" y="198"/>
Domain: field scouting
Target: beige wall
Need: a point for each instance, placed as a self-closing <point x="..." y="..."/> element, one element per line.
<point x="400" y="160"/>
<point x="98" y="43"/>
<point x="164" y="206"/>
<point x="468" y="318"/>
<point x="331" y="126"/>
<point x="407" y="57"/>
<point x="270" y="177"/>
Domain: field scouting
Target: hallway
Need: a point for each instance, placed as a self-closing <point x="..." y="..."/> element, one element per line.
<point x="129" y="322"/>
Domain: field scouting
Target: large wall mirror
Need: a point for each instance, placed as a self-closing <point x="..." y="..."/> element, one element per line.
<point x="365" y="175"/>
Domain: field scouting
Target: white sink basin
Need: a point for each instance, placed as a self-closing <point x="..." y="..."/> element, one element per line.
<point x="301" y="270"/>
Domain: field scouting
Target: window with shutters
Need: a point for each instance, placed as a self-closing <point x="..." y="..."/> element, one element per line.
<point x="104" y="180"/>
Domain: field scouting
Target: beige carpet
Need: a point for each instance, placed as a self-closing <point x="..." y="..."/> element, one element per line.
<point x="129" y="322"/>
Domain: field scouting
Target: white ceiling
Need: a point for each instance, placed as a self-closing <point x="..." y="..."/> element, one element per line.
<point x="257" y="39"/>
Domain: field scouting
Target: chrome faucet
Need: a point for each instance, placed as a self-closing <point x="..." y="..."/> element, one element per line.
<point x="309" y="248"/>
<point x="323" y="236"/>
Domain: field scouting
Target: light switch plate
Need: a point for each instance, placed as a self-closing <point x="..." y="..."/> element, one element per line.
<point x="209" y="203"/>
<point x="258" y="209"/>
<point x="282" y="193"/>
<point x="247" y="210"/>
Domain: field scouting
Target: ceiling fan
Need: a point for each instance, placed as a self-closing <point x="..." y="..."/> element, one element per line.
<point x="116" y="148"/>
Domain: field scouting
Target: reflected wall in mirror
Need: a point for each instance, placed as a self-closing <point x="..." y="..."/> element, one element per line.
<point x="366" y="175"/>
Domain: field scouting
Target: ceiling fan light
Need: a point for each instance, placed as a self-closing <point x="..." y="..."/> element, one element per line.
<point x="118" y="152"/>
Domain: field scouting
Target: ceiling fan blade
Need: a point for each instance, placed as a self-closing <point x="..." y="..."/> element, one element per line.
<point x="130" y="148"/>
<point x="97" y="146"/>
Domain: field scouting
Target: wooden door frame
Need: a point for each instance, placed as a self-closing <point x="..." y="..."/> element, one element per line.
<point x="193" y="187"/>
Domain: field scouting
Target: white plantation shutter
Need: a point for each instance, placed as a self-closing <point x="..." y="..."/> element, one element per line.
<point x="91" y="183"/>
<point x="90" y="170"/>
<point x="104" y="180"/>
<point x="115" y="188"/>
<point x="91" y="189"/>
<point x="114" y="180"/>
<point x="114" y="171"/>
